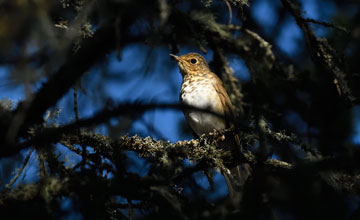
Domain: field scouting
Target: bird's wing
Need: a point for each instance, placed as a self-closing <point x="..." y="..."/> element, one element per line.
<point x="238" y="175"/>
<point x="224" y="97"/>
<point x="226" y="103"/>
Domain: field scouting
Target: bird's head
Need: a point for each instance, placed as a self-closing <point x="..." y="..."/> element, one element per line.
<point x="191" y="64"/>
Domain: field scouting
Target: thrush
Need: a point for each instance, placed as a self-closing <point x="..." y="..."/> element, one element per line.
<point x="203" y="89"/>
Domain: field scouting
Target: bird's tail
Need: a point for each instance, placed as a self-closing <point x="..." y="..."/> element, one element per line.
<point x="236" y="178"/>
<point x="235" y="181"/>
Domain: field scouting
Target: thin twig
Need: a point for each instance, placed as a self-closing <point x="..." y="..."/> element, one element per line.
<point x="76" y="108"/>
<point x="13" y="180"/>
<point x="230" y="11"/>
<point x="327" y="24"/>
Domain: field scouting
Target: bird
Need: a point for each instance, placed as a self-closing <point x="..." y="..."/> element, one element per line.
<point x="203" y="89"/>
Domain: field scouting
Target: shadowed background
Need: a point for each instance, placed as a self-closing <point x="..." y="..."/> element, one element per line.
<point x="298" y="96"/>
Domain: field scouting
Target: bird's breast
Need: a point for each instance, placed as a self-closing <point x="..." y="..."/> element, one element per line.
<point x="201" y="94"/>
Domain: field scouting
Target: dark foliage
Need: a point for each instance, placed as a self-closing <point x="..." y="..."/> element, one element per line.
<point x="295" y="115"/>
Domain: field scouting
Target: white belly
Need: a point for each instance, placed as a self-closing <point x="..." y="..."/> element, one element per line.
<point x="204" y="97"/>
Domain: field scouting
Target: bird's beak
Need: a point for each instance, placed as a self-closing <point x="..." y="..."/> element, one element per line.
<point x="177" y="58"/>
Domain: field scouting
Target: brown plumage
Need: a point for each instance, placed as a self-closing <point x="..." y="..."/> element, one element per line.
<point x="203" y="89"/>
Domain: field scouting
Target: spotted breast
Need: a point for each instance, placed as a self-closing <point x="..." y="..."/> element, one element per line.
<point x="199" y="91"/>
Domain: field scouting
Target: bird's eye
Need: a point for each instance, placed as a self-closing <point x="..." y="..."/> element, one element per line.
<point x="193" y="60"/>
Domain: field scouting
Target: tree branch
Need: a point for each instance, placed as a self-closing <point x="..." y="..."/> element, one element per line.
<point x="322" y="53"/>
